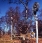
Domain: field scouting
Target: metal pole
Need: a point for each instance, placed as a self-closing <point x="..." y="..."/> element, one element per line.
<point x="36" y="29"/>
<point x="35" y="9"/>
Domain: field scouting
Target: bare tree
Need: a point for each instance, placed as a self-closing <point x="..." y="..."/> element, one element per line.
<point x="15" y="14"/>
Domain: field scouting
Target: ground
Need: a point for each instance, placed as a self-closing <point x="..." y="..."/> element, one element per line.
<point x="7" y="39"/>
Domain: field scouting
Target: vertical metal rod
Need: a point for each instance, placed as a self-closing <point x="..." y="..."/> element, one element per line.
<point x="36" y="20"/>
<point x="35" y="9"/>
<point x="36" y="30"/>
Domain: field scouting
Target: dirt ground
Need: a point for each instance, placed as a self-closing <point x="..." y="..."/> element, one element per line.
<point x="20" y="41"/>
<point x="7" y="39"/>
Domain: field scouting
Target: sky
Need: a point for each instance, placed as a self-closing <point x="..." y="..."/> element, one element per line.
<point x="4" y="6"/>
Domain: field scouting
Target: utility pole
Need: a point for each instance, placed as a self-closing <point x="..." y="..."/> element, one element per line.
<point x="35" y="9"/>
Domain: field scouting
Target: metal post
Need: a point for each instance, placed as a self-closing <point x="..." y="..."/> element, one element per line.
<point x="35" y="9"/>
<point x="36" y="20"/>
<point x="36" y="29"/>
